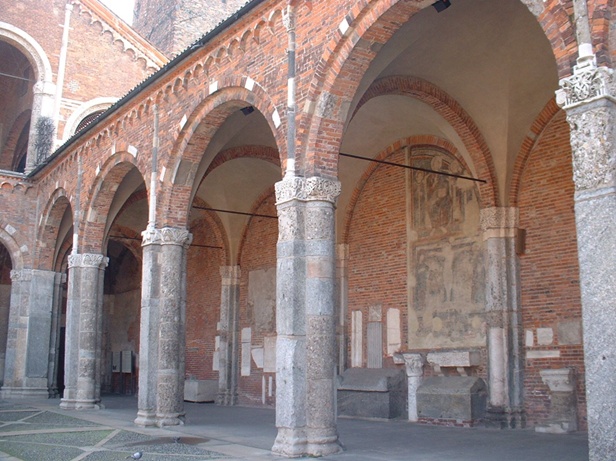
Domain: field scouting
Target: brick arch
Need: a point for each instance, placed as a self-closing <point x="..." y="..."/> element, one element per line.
<point x="544" y="118"/>
<point x="48" y="233"/>
<point x="345" y="61"/>
<point x="208" y="116"/>
<point x="412" y="141"/>
<point x="10" y="239"/>
<point x="100" y="196"/>
<point x="448" y="108"/>
<point x="265" y="153"/>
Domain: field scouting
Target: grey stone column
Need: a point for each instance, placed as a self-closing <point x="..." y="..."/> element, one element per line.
<point x="305" y="318"/>
<point x="172" y="326"/>
<point x="504" y="326"/>
<point x="83" y="317"/>
<point x="588" y="97"/>
<point x="148" y="329"/>
<point x="228" y="335"/>
<point x="29" y="335"/>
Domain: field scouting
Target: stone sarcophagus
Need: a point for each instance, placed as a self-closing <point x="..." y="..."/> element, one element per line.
<point x="372" y="393"/>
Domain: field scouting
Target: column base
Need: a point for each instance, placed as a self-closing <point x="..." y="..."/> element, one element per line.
<point x="226" y="399"/>
<point x="145" y="418"/>
<point x="505" y="418"/>
<point x="291" y="443"/>
<point x="172" y="419"/>
<point x="23" y="392"/>
<point x="323" y="442"/>
<point x="74" y="404"/>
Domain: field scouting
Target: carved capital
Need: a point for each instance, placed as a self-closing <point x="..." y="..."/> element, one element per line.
<point x="594" y="160"/>
<point x="560" y="380"/>
<point x="24" y="275"/>
<point x="307" y="189"/>
<point x="175" y="236"/>
<point x="88" y="260"/>
<point x="588" y="83"/>
<point x="499" y="218"/>
<point x="414" y="364"/>
<point x="150" y="236"/>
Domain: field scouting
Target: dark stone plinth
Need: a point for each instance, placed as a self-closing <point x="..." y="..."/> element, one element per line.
<point x="452" y="398"/>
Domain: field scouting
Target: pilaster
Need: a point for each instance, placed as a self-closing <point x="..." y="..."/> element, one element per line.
<point x="30" y="332"/>
<point x="228" y="335"/>
<point x="588" y="98"/>
<point x="83" y="331"/>
<point x="504" y="330"/>
<point x="305" y="318"/>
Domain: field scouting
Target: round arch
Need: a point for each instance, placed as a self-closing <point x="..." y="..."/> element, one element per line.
<point x="204" y="122"/>
<point x="87" y="108"/>
<point x="48" y="235"/>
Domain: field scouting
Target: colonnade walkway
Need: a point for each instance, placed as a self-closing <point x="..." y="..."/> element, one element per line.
<point x="37" y="430"/>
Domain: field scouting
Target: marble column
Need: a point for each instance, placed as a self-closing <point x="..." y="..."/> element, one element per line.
<point x="588" y="98"/>
<point x="305" y="318"/>
<point x="342" y="284"/>
<point x="228" y="335"/>
<point x="414" y="364"/>
<point x="503" y="317"/>
<point x="29" y="343"/>
<point x="83" y="332"/>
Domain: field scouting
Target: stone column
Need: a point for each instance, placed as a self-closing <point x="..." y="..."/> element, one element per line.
<point x="228" y="335"/>
<point x="414" y="364"/>
<point x="148" y="329"/>
<point x="588" y="97"/>
<point x="83" y="317"/>
<point x="172" y="326"/>
<point x="563" y="402"/>
<point x="305" y="318"/>
<point x="504" y="328"/>
<point x="29" y="336"/>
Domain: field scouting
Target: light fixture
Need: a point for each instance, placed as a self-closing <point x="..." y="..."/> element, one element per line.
<point x="247" y="110"/>
<point x="441" y="5"/>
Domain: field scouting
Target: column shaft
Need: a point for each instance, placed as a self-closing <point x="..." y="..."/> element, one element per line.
<point x="228" y="335"/>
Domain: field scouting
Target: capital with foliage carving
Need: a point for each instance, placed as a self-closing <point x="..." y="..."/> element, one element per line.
<point x="307" y="189"/>
<point x="88" y="260"/>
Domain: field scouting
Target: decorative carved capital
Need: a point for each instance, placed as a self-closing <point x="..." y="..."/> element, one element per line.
<point x="414" y="364"/>
<point x="560" y="380"/>
<point x="588" y="83"/>
<point x="175" y="236"/>
<point x="594" y="161"/>
<point x="150" y="236"/>
<point x="499" y="218"/>
<point x="166" y="236"/>
<point x="307" y="189"/>
<point x="88" y="260"/>
<point x="24" y="275"/>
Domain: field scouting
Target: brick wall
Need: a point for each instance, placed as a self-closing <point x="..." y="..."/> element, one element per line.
<point x="549" y="267"/>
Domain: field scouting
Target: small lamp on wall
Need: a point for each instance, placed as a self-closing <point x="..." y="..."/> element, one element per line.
<point x="441" y="5"/>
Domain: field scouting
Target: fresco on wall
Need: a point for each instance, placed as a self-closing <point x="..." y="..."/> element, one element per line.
<point x="446" y="276"/>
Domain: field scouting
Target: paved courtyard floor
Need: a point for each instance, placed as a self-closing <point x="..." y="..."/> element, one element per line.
<point x="37" y="430"/>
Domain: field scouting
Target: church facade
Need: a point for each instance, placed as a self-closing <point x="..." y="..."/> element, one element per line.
<point x="312" y="206"/>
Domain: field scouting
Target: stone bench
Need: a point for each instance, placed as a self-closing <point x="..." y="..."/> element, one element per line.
<point x="372" y="393"/>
